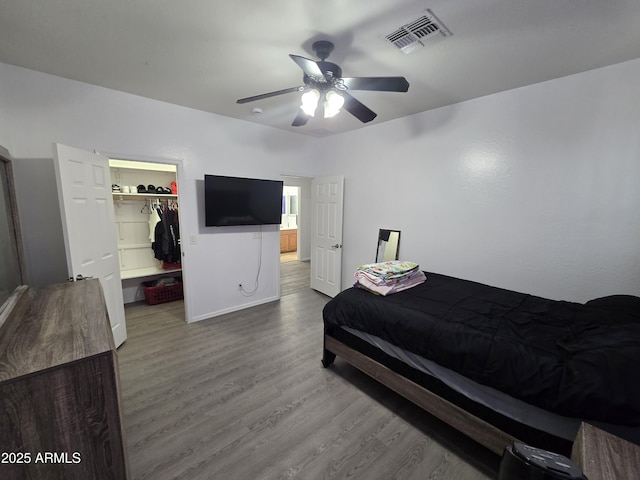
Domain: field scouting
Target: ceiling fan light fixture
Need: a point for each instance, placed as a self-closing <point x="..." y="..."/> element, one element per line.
<point x="323" y="82"/>
<point x="333" y="103"/>
<point x="310" y="101"/>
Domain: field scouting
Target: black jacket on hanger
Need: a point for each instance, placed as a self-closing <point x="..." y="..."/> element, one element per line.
<point x="166" y="246"/>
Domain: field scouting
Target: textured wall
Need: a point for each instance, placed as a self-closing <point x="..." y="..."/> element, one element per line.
<point x="534" y="189"/>
<point x="43" y="109"/>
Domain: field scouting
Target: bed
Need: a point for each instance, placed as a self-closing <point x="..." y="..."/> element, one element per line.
<point x="498" y="365"/>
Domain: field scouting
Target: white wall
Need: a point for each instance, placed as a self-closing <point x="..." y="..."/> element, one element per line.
<point x="41" y="109"/>
<point x="534" y="189"/>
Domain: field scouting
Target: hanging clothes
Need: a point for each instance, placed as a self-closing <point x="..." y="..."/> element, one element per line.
<point x="153" y="220"/>
<point x="166" y="244"/>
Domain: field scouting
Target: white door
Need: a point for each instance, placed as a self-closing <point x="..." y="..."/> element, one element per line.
<point x="326" y="235"/>
<point x="86" y="206"/>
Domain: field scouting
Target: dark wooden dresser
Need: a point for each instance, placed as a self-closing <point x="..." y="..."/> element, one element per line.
<point x="603" y="456"/>
<point x="60" y="413"/>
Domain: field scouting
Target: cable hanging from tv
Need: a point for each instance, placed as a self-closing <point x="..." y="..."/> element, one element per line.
<point x="249" y="293"/>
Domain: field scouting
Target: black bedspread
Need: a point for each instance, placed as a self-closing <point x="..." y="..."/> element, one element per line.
<point x="578" y="360"/>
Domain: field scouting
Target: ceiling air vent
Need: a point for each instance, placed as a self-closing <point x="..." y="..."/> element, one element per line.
<point x="415" y="34"/>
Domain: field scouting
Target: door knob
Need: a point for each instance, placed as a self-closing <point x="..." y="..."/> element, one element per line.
<point x="336" y="246"/>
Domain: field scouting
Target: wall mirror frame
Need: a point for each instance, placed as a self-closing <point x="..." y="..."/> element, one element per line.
<point x="388" y="245"/>
<point x="12" y="265"/>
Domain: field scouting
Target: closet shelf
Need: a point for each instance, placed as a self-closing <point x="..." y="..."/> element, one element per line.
<point x="142" y="196"/>
<point x="145" y="272"/>
<point x="134" y="246"/>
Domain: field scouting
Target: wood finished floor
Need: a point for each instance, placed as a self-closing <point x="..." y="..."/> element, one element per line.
<point x="244" y="396"/>
<point x="294" y="276"/>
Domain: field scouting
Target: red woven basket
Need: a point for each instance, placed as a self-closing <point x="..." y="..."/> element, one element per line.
<point x="171" y="265"/>
<point x="162" y="293"/>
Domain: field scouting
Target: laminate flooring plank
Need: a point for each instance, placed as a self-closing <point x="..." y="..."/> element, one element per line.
<point x="294" y="276"/>
<point x="244" y="396"/>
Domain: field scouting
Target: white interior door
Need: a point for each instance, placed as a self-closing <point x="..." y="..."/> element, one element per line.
<point x="326" y="235"/>
<point x="86" y="205"/>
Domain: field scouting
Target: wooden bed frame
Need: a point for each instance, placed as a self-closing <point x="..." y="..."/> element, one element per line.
<point x="492" y="428"/>
<point x="481" y="431"/>
<point x="600" y="454"/>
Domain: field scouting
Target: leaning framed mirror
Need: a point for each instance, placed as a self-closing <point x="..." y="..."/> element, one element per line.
<point x="388" y="245"/>
<point x="12" y="272"/>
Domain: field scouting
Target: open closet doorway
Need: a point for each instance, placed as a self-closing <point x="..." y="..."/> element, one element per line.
<point x="90" y="190"/>
<point x="147" y="226"/>
<point x="295" y="245"/>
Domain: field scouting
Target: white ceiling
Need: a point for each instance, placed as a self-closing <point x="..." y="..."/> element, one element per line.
<point x="206" y="54"/>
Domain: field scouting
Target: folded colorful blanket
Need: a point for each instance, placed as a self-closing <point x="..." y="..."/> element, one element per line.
<point x="416" y="278"/>
<point x="388" y="270"/>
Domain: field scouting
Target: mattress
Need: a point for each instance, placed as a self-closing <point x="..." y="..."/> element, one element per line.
<point x="517" y="410"/>
<point x="573" y="360"/>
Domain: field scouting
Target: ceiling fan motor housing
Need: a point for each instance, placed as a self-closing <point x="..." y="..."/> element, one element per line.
<point x="322" y="48"/>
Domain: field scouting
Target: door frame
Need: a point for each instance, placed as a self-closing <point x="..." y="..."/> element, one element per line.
<point x="179" y="164"/>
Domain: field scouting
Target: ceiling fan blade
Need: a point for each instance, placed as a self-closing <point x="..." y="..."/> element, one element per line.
<point x="357" y="108"/>
<point x="301" y="119"/>
<point x="270" y="94"/>
<point x="309" y="67"/>
<point x="382" y="84"/>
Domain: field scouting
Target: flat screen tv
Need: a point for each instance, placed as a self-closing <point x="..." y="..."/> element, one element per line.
<point x="242" y="201"/>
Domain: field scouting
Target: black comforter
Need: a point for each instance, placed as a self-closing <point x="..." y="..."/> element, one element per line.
<point x="578" y="360"/>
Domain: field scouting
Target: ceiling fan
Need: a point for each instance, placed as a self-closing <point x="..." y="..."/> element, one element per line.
<point x="326" y="89"/>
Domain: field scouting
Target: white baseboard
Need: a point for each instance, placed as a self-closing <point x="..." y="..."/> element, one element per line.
<point x="207" y="316"/>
